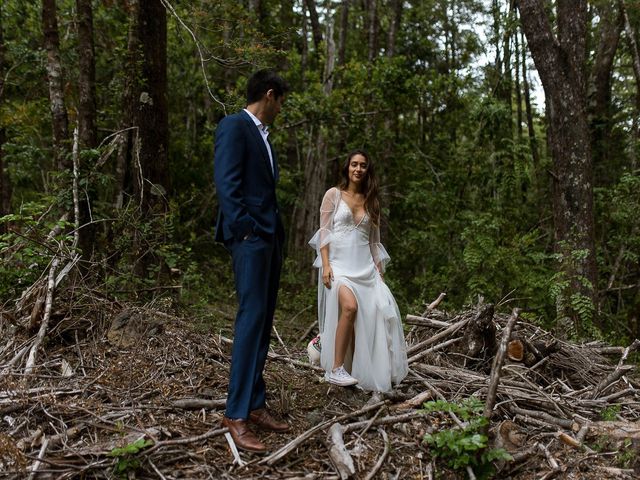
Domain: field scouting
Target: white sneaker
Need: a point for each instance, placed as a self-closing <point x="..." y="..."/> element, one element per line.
<point x="340" y="376"/>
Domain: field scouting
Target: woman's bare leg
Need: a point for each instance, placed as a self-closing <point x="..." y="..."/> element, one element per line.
<point x="346" y="321"/>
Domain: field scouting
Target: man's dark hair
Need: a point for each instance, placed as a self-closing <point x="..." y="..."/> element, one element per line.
<point x="261" y="82"/>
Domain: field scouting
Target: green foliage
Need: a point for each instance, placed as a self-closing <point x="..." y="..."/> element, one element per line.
<point x="126" y="456"/>
<point x="468" y="446"/>
<point x="467" y="209"/>
<point x="24" y="250"/>
<point x="610" y="413"/>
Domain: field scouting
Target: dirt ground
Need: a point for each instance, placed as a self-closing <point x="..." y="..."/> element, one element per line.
<point x="110" y="399"/>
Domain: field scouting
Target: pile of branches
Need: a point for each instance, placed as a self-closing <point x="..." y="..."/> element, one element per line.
<point x="552" y="394"/>
<point x="140" y="392"/>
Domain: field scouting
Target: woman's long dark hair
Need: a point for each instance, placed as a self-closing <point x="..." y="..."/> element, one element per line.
<point x="369" y="185"/>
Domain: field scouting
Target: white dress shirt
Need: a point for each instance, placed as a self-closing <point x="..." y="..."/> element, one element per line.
<point x="264" y="131"/>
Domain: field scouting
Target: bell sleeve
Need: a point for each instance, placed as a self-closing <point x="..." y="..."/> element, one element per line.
<point x="378" y="252"/>
<point x="324" y="234"/>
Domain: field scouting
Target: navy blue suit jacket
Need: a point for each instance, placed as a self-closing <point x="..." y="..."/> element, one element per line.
<point x="245" y="182"/>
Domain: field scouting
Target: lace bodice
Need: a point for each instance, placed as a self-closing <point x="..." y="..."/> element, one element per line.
<point x="336" y="221"/>
<point x="344" y="221"/>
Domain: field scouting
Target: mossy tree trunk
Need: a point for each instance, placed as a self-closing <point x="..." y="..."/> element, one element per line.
<point x="560" y="60"/>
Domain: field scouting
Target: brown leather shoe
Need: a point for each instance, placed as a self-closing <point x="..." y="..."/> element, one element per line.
<point x="264" y="420"/>
<point x="242" y="435"/>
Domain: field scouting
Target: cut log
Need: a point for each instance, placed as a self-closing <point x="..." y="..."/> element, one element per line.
<point x="515" y="350"/>
<point x="338" y="453"/>
<point x="479" y="339"/>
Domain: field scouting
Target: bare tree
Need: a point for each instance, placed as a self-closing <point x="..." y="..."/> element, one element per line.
<point x="560" y="61"/>
<point x="56" y="83"/>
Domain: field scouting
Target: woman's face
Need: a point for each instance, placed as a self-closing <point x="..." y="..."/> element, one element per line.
<point x="358" y="169"/>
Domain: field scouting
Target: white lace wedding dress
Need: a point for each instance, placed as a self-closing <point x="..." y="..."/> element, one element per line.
<point x="379" y="358"/>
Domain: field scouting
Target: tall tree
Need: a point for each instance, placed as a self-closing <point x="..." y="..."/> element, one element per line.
<point x="142" y="168"/>
<point x="316" y="29"/>
<point x="56" y="83"/>
<point x="635" y="55"/>
<point x="306" y="216"/>
<point x="372" y="14"/>
<point x="86" y="75"/>
<point x="152" y="112"/>
<point x="87" y="131"/>
<point x="526" y="90"/>
<point x="517" y="85"/>
<point x="394" y="26"/>
<point x="129" y="138"/>
<point x="599" y="88"/>
<point x="5" y="190"/>
<point x="342" y="34"/>
<point x="560" y="61"/>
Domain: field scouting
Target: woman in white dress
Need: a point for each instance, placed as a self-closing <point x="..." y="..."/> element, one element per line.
<point x="360" y="327"/>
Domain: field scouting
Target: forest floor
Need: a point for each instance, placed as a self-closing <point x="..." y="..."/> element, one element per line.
<point x="139" y="393"/>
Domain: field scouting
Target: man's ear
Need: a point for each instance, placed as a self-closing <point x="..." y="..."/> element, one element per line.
<point x="271" y="93"/>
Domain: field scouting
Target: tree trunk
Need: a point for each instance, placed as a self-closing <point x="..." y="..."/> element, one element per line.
<point x="600" y="85"/>
<point x="5" y="190"/>
<point x="561" y="64"/>
<point x="533" y="141"/>
<point x="344" y="27"/>
<point x="306" y="216"/>
<point x="372" y="12"/>
<point x="518" y="87"/>
<point x="129" y="138"/>
<point x="86" y="76"/>
<point x="315" y="23"/>
<point x="507" y="78"/>
<point x="86" y="116"/>
<point x="394" y="27"/>
<point x="151" y="113"/>
<point x="56" y="84"/>
<point x="633" y="47"/>
<point x="304" y="55"/>
<point x="635" y="55"/>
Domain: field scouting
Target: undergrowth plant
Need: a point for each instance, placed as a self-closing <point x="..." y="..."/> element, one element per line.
<point x="126" y="456"/>
<point x="464" y="447"/>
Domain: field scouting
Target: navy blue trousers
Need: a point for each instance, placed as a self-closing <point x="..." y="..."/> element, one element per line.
<point x="256" y="265"/>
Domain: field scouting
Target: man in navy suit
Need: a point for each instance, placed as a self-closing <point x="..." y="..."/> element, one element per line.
<point x="249" y="224"/>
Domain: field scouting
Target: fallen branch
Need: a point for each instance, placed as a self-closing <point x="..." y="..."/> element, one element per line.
<point x="496" y="368"/>
<point x="198" y="403"/>
<point x="405" y="417"/>
<point x="36" y="465"/>
<point x="300" y="439"/>
<point x="440" y="346"/>
<point x="445" y="333"/>
<point x="31" y="361"/>
<point x="338" y="453"/>
<point x="426" y="322"/>
<point x="383" y="457"/>
<point x="547" y="418"/>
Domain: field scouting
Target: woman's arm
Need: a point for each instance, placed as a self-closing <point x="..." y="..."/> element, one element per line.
<point x="378" y="252"/>
<point x="327" y="271"/>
